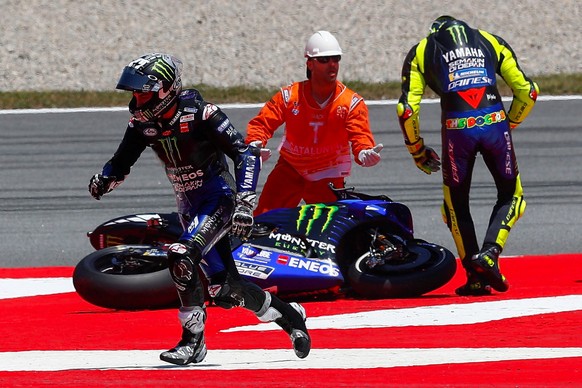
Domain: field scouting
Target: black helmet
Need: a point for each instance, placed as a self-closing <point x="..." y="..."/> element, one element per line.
<point x="438" y="23"/>
<point x="451" y="33"/>
<point x="158" y="73"/>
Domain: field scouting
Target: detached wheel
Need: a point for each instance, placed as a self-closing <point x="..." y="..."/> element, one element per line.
<point x="126" y="277"/>
<point x="425" y="268"/>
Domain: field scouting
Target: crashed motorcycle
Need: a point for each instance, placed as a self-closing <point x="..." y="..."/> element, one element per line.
<point x="359" y="246"/>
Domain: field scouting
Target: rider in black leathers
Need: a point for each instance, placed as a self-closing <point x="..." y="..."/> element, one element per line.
<point x="191" y="137"/>
<point x="460" y="64"/>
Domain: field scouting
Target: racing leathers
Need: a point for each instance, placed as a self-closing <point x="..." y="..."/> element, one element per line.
<point x="460" y="65"/>
<point x="192" y="145"/>
<point x="315" y="149"/>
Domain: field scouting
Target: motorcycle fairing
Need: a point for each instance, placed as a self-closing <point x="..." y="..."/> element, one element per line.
<point x="288" y="271"/>
<point x="323" y="225"/>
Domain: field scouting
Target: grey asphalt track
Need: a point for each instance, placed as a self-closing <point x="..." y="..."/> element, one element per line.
<point x="47" y="158"/>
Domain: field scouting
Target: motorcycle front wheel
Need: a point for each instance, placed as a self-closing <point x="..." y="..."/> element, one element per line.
<point x="126" y="277"/>
<point x="426" y="268"/>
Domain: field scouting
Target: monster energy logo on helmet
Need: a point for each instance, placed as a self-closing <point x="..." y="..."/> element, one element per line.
<point x="450" y="24"/>
<point x="164" y="70"/>
<point x="439" y="22"/>
<point x="457" y="31"/>
<point x="309" y="214"/>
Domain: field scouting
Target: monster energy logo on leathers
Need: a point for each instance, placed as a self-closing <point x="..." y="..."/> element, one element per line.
<point x="163" y="69"/>
<point x="170" y="144"/>
<point x="317" y="211"/>
<point x="457" y="31"/>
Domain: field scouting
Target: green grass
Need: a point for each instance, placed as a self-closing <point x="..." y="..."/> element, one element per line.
<point x="561" y="84"/>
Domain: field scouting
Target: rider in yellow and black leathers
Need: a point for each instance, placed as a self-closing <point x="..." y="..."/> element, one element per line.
<point x="460" y="64"/>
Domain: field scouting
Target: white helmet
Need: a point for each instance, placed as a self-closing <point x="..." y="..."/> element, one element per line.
<point x="322" y="44"/>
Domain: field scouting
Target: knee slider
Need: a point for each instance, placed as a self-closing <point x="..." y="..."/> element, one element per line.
<point x="445" y="215"/>
<point x="226" y="295"/>
<point x="521" y="204"/>
<point x="238" y="293"/>
<point x="182" y="266"/>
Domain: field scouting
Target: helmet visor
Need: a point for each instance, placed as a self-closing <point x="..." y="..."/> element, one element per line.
<point x="133" y="80"/>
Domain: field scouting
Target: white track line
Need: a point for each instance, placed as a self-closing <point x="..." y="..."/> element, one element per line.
<point x="273" y="359"/>
<point x="448" y="314"/>
<point x="17" y="288"/>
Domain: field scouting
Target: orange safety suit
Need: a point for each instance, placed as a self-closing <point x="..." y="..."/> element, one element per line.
<point x="315" y="149"/>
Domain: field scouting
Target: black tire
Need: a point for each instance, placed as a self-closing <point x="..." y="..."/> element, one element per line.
<point x="100" y="280"/>
<point x="430" y="267"/>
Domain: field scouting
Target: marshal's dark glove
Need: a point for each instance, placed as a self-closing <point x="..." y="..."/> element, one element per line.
<point x="242" y="218"/>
